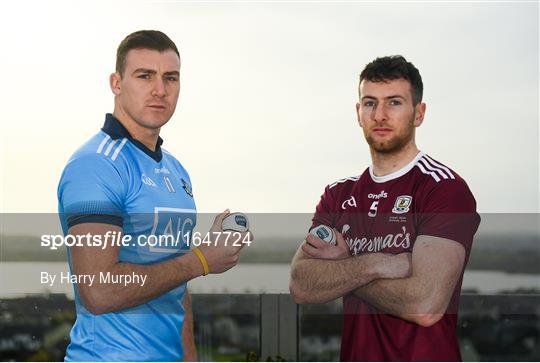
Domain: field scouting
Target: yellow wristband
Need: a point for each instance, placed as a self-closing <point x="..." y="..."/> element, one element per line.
<point x="204" y="263"/>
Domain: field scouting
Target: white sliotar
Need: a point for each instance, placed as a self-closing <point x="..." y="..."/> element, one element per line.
<point x="325" y="233"/>
<point x="237" y="222"/>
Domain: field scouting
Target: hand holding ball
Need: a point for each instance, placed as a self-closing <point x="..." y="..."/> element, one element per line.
<point x="237" y="222"/>
<point x="325" y="233"/>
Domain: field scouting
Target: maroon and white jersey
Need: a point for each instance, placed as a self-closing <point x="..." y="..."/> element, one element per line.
<point x="386" y="214"/>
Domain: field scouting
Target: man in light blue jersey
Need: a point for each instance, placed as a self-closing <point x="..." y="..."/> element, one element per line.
<point x="131" y="297"/>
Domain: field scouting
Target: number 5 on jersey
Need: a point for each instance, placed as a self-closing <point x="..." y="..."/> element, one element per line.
<point x="373" y="210"/>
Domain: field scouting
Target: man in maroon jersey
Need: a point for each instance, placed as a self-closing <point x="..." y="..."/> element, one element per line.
<point x="404" y="232"/>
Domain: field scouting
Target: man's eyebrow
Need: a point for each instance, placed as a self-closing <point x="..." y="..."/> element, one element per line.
<point x="395" y="96"/>
<point x="151" y="71"/>
<point x="144" y="70"/>
<point x="387" y="97"/>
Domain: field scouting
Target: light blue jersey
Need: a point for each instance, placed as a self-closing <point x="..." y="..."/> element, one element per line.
<point x="115" y="179"/>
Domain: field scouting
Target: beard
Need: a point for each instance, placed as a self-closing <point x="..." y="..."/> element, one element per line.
<point x="394" y="144"/>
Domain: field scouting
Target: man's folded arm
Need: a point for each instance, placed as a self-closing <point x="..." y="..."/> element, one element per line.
<point x="423" y="297"/>
<point x="315" y="280"/>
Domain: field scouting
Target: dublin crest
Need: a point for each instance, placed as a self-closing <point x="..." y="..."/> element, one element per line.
<point x="187" y="187"/>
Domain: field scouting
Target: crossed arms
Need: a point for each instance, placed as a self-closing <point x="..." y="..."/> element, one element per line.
<point x="416" y="288"/>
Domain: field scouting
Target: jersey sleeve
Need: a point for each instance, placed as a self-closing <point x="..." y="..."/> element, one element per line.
<point x="323" y="211"/>
<point x="91" y="190"/>
<point x="450" y="212"/>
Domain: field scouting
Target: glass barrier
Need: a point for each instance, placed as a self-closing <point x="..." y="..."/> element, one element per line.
<point x="269" y="327"/>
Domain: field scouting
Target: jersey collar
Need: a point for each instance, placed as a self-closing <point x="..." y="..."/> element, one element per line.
<point x="395" y="174"/>
<point x="114" y="128"/>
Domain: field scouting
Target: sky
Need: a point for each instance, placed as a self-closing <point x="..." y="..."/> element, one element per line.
<point x="266" y="116"/>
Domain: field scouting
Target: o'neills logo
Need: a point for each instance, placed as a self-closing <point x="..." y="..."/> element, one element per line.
<point x="382" y="194"/>
<point x="379" y="243"/>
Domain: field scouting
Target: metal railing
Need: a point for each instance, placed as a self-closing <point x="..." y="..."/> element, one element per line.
<point x="271" y="326"/>
<point x="312" y="332"/>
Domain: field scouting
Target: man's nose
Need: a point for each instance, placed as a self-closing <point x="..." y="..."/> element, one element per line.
<point x="379" y="113"/>
<point x="159" y="88"/>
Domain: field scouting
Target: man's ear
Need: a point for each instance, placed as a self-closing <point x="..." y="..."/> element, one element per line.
<point x="114" y="82"/>
<point x="419" y="113"/>
<point x="358" y="114"/>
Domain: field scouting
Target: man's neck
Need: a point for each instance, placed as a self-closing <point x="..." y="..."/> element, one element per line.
<point x="148" y="137"/>
<point x="384" y="164"/>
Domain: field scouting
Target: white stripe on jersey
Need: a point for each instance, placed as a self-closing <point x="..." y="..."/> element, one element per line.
<point x="421" y="167"/>
<point x="429" y="167"/>
<point x="109" y="148"/>
<point x="351" y="178"/>
<point x="440" y="166"/>
<point x="107" y="137"/>
<point x="117" y="151"/>
<point x="169" y="184"/>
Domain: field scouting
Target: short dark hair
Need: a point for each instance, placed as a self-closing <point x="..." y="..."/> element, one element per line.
<point x="142" y="39"/>
<point x="393" y="67"/>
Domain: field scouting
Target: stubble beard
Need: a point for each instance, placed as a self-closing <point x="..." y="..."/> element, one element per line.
<point x="394" y="144"/>
<point x="148" y="121"/>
